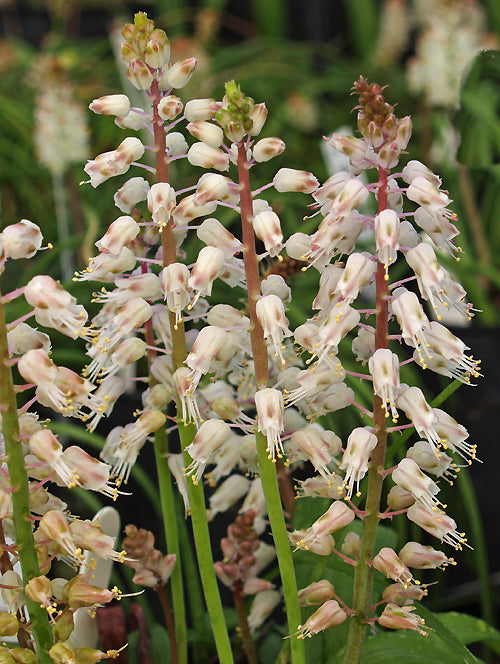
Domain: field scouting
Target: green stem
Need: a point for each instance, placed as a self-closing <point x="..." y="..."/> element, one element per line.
<point x="187" y="432"/>
<point x="171" y="536"/>
<point x="39" y="619"/>
<point x="363" y="574"/>
<point x="266" y="468"/>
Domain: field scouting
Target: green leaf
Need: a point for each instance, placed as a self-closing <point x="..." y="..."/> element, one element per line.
<point x="469" y="629"/>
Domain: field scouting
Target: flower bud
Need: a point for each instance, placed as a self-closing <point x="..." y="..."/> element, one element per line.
<point x="211" y="187"/>
<point x="267" y="148"/>
<point x="262" y="606"/>
<point x="62" y="653"/>
<point x="122" y="231"/>
<point x="200" y="154"/>
<point x="213" y="233"/>
<point x="176" y="144"/>
<point x="290" y="179"/>
<point x="8" y="624"/>
<point x="12" y="591"/>
<point x="170" y="107"/>
<point x="200" y="109"/>
<point x="211" y="435"/>
<point x="39" y="590"/>
<point x="258" y="116"/>
<point x="316" y="593"/>
<point x="118" y="105"/>
<point x="131" y="193"/>
<point x="21" y="240"/>
<point x="157" y="53"/>
<point x="139" y="74"/>
<point x="351" y="545"/>
<point x="178" y="74"/>
<point x="267" y="228"/>
<point x="206" y="132"/>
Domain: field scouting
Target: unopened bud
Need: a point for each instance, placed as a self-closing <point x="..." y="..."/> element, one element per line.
<point x="118" y="105"/>
<point x="170" y="107"/>
<point x="139" y="74"/>
<point x="178" y="75"/>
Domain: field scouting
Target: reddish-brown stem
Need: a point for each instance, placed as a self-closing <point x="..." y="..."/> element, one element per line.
<point x="259" y="348"/>
<point x="169" y="621"/>
<point x="363" y="576"/>
<point x="241" y="612"/>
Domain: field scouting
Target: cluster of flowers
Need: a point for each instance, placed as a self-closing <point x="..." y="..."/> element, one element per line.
<point x="298" y="378"/>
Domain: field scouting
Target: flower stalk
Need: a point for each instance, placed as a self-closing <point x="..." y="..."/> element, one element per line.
<point x="267" y="469"/>
<point x="364" y="572"/>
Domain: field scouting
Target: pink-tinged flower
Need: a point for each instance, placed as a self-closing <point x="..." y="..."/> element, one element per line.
<point x="200" y="109"/>
<point x="89" y="473"/>
<point x="357" y="272"/>
<point x="411" y="318"/>
<point x="415" y="169"/>
<point x="416" y="409"/>
<point x="271" y="314"/>
<point x="213" y="233"/>
<point x="419" y="556"/>
<point x="441" y="465"/>
<point x="183" y="385"/>
<point x="352" y="194"/>
<point x="209" y="343"/>
<point x="209" y="438"/>
<point x="332" y="187"/>
<point x="319" y="447"/>
<point x="176" y="144"/>
<point x="178" y="74"/>
<point x="454" y="435"/>
<point x="21" y="240"/>
<point x="211" y="187"/>
<point x="123" y="444"/>
<point x="384" y="369"/>
<point x="403" y="595"/>
<point x="200" y="154"/>
<point x="203" y="273"/>
<point x="269" y="405"/>
<point x="425" y="193"/>
<point x="339" y="322"/>
<point x="188" y="209"/>
<point x="227" y="494"/>
<point x="355" y="460"/>
<point x="90" y="537"/>
<point x="174" y="283"/>
<point x="337" y="516"/>
<point x="328" y="615"/>
<point x="118" y="105"/>
<point x="314" y="381"/>
<point x="54" y="527"/>
<point x="387" y="236"/>
<point x="23" y="338"/>
<point x="387" y="562"/>
<point x="438" y="524"/>
<point x="132" y="192"/>
<point x="122" y="231"/>
<point x="438" y="228"/>
<point x="446" y="354"/>
<point x="360" y="153"/>
<point x="267" y="228"/>
<point x="290" y="179"/>
<point x="161" y="202"/>
<point x="261" y="608"/>
<point x="106" y="266"/>
<point x="157" y="52"/>
<point x="408" y="475"/>
<point x="115" y="162"/>
<point x="401" y="617"/>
